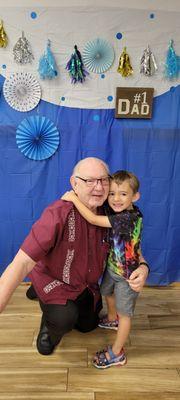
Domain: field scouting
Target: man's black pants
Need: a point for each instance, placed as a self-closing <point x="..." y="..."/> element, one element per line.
<point x="79" y="314"/>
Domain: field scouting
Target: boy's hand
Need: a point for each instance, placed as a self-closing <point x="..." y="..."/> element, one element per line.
<point x="138" y="278"/>
<point x="69" y="196"/>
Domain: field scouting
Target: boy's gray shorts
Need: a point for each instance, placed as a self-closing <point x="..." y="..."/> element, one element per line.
<point x="125" y="297"/>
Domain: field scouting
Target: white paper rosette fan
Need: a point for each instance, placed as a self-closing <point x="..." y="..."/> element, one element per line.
<point x="98" y="55"/>
<point x="37" y="137"/>
<point x="22" y="91"/>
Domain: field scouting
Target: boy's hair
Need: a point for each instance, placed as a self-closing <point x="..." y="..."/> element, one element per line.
<point x="122" y="175"/>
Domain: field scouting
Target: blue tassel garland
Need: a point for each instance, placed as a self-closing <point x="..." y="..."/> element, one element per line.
<point x="47" y="64"/>
<point x="172" y="63"/>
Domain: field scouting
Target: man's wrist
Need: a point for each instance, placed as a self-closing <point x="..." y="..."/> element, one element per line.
<point x="146" y="264"/>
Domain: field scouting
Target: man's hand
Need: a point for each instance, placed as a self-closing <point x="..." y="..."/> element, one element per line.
<point x="138" y="278"/>
<point x="69" y="196"/>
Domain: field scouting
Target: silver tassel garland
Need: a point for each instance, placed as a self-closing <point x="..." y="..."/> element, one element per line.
<point x="22" y="51"/>
<point x="148" y="63"/>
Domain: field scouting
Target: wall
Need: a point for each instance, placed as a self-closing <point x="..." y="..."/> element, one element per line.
<point x="84" y="116"/>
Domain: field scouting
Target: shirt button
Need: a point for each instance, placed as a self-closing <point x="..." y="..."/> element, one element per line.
<point x="89" y="270"/>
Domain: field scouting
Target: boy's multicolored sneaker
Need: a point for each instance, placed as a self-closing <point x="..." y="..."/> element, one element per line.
<point x="105" y="323"/>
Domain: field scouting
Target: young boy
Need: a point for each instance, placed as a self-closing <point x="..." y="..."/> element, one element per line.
<point x="125" y="219"/>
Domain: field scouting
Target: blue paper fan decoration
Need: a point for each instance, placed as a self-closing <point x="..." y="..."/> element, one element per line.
<point x="37" y="137"/>
<point x="98" y="55"/>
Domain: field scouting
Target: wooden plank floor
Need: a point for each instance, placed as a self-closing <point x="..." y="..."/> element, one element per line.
<point x="153" y="351"/>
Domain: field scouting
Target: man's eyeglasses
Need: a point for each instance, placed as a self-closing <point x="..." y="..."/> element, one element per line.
<point x="93" y="182"/>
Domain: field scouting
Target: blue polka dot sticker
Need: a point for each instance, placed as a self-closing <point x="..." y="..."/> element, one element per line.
<point x="102" y="76"/>
<point x="118" y="35"/>
<point x="96" y="117"/>
<point x="110" y="98"/>
<point x="63" y="98"/>
<point x="152" y="16"/>
<point x="33" y="15"/>
<point x="4" y="66"/>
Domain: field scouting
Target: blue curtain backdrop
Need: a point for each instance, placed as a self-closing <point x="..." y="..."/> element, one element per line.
<point x="149" y="148"/>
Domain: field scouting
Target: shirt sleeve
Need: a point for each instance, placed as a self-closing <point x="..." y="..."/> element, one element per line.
<point x="43" y="235"/>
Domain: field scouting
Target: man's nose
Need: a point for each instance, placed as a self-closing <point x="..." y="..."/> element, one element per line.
<point x="99" y="184"/>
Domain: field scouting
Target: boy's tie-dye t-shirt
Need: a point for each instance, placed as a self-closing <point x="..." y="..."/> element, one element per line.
<point x="125" y="238"/>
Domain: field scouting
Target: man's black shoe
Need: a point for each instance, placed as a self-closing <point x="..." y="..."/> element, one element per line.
<point x="44" y="344"/>
<point x="31" y="293"/>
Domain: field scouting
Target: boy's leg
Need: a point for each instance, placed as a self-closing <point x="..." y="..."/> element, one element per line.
<point x="111" y="307"/>
<point x="110" y="320"/>
<point x="114" y="355"/>
<point x="125" y="299"/>
<point x="122" y="334"/>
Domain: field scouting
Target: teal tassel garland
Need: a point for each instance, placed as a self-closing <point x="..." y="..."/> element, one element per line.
<point x="76" y="68"/>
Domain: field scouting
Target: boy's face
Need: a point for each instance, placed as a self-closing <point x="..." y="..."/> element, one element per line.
<point x="121" y="196"/>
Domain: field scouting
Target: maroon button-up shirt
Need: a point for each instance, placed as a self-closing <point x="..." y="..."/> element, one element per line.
<point x="70" y="254"/>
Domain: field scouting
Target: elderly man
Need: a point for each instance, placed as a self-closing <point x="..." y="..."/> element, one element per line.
<point x="64" y="257"/>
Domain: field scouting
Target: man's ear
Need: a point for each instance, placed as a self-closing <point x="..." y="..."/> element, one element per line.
<point x="136" y="197"/>
<point x="73" y="183"/>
